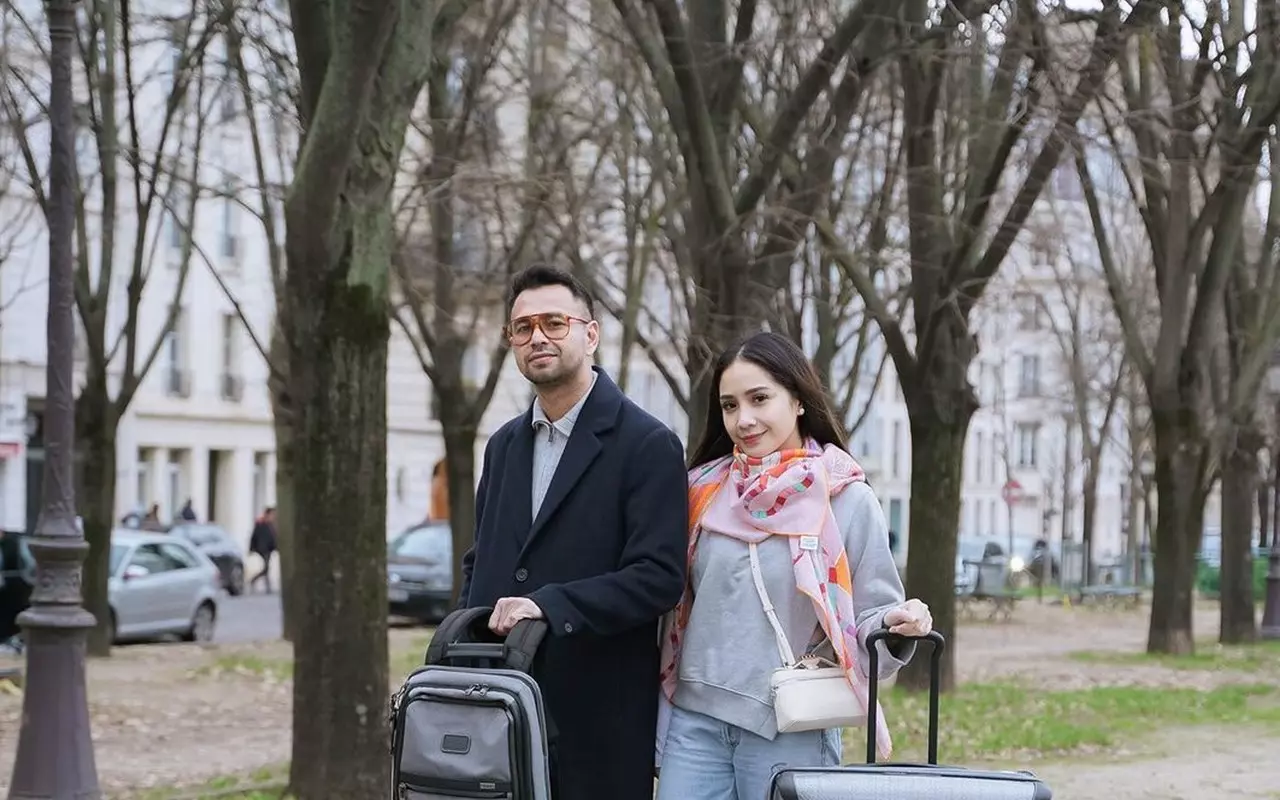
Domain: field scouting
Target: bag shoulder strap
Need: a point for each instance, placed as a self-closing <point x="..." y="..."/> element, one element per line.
<point x="457" y="627"/>
<point x="780" y="638"/>
<point x="522" y="643"/>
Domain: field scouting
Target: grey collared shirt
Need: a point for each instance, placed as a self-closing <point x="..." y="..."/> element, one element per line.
<point x="549" y="440"/>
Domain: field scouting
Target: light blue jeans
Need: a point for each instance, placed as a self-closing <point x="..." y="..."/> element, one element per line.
<point x="706" y="759"/>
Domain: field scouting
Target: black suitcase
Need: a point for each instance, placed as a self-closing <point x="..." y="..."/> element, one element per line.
<point x="872" y="781"/>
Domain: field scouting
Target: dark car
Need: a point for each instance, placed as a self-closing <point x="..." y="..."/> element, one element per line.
<point x="17" y="577"/>
<point x="218" y="545"/>
<point x="420" y="572"/>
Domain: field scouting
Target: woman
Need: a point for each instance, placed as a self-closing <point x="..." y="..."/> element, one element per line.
<point x="772" y="470"/>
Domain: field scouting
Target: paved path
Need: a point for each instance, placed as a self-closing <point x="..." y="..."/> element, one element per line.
<point x="249" y="618"/>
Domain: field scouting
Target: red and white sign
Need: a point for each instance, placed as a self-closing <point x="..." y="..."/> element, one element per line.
<point x="1012" y="492"/>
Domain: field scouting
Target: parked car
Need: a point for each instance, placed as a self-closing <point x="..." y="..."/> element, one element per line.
<point x="17" y="577"/>
<point x="221" y="549"/>
<point x="420" y="572"/>
<point x="160" y="585"/>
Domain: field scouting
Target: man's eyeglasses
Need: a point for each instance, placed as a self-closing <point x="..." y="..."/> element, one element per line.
<point x="553" y="326"/>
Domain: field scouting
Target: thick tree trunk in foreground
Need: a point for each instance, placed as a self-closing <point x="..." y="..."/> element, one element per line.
<point x="1180" y="478"/>
<point x="340" y="681"/>
<point x="938" y="431"/>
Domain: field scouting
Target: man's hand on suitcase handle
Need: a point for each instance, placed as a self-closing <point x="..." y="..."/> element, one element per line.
<point x="510" y="610"/>
<point x="912" y="618"/>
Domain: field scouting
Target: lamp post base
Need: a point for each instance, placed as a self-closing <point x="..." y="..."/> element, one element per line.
<point x="55" y="759"/>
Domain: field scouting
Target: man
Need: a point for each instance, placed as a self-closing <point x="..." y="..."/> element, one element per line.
<point x="581" y="518"/>
<point x="262" y="542"/>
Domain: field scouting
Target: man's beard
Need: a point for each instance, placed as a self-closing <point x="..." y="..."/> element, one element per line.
<point x="563" y="373"/>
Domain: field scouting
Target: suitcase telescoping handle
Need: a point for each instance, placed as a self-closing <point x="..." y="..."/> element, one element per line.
<point x="935" y="687"/>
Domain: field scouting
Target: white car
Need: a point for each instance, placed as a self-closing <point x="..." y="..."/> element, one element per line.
<point x="161" y="585"/>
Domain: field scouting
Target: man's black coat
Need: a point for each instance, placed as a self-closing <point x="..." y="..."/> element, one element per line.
<point x="604" y="559"/>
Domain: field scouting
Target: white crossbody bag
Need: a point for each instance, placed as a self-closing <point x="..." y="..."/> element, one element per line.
<point x="811" y="693"/>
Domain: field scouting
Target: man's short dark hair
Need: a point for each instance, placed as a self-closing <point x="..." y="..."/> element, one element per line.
<point x="537" y="276"/>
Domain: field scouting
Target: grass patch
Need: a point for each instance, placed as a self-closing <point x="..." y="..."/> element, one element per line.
<point x="266" y="783"/>
<point x="405" y="656"/>
<point x="1208" y="656"/>
<point x="247" y="664"/>
<point x="983" y="722"/>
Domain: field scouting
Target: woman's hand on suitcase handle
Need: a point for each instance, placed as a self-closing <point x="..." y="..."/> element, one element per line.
<point x="912" y="618"/>
<point x="510" y="610"/>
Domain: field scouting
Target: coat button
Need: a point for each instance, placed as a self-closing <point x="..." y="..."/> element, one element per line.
<point x="522" y="575"/>
<point x="568" y="628"/>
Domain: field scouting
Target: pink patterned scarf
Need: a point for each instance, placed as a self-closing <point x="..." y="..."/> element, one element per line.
<point x="787" y="493"/>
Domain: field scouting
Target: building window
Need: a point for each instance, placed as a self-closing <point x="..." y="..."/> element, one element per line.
<point x="1029" y="311"/>
<point x="1029" y="376"/>
<point x="143" y="493"/>
<point x="232" y="383"/>
<point x="175" y="376"/>
<point x="895" y="452"/>
<point x="229" y="240"/>
<point x="174" y="215"/>
<point x="980" y="452"/>
<point x="1027" y="434"/>
<point x="174" y="499"/>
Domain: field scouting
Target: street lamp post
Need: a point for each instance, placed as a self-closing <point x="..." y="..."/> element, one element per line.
<point x="1271" y="608"/>
<point x="55" y="752"/>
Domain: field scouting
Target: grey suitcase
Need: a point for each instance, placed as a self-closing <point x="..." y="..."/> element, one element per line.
<point x="471" y="723"/>
<point x="872" y="781"/>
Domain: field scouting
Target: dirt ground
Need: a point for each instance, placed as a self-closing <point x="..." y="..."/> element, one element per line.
<point x="165" y="715"/>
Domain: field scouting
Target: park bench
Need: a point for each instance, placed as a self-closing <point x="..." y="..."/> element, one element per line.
<point x="1110" y="595"/>
<point x="990" y="589"/>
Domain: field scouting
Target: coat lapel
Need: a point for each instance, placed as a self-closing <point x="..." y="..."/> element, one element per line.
<point x="598" y="415"/>
<point x="519" y="469"/>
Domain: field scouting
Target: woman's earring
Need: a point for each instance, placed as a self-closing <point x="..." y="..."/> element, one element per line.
<point x="801" y="412"/>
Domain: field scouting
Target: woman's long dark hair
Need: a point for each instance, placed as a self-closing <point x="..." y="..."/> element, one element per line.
<point x="786" y="363"/>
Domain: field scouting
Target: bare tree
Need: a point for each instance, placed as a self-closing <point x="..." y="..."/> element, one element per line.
<point x="1189" y="134"/>
<point x="973" y="109"/>
<point x="1251" y="292"/>
<point x="262" y="72"/>
<point x="18" y="214"/>
<point x="149" y="173"/>
<point x="361" y="69"/>
<point x="1090" y="350"/>
<point x="737" y="137"/>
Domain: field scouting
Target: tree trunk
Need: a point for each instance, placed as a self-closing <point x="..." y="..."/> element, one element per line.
<point x="1089" y="510"/>
<point x="97" y="437"/>
<point x="1264" y="511"/>
<point x="724" y="312"/>
<point x="282" y="423"/>
<point x="459" y="433"/>
<point x="1238" y="622"/>
<point x="338" y="370"/>
<point x="1180" y="476"/>
<point x="937" y="461"/>
<point x="286" y="531"/>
